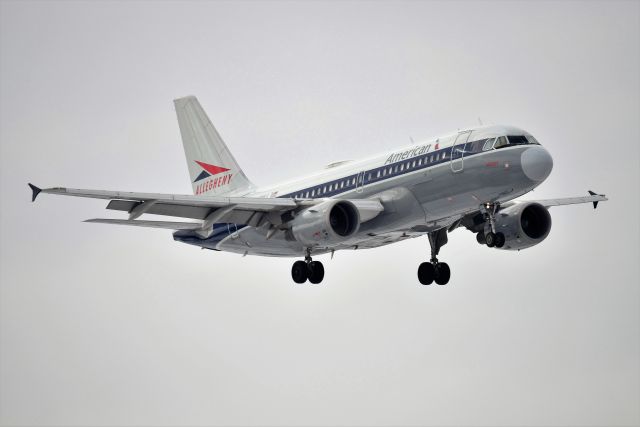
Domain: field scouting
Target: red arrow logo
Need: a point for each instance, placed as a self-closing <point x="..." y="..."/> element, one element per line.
<point x="212" y="169"/>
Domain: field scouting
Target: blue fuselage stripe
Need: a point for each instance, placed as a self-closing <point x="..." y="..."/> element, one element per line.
<point x="383" y="173"/>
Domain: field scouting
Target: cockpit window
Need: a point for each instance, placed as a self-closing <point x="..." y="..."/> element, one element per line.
<point x="488" y="145"/>
<point x="474" y="147"/>
<point x="517" y="140"/>
<point x="501" y="142"/>
<point x="532" y="140"/>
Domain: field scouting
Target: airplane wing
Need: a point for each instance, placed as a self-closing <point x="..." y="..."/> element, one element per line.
<point x="253" y="211"/>
<point x="592" y="198"/>
<point x="475" y="220"/>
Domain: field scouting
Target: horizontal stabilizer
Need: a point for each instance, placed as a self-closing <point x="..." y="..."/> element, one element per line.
<point x="152" y="224"/>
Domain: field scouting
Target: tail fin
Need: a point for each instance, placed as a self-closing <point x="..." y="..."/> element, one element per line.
<point x="212" y="168"/>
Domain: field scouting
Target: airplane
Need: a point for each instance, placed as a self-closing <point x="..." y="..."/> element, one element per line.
<point x="467" y="179"/>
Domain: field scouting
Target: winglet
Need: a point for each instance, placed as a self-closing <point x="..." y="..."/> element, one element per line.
<point x="35" y="190"/>
<point x="595" y="204"/>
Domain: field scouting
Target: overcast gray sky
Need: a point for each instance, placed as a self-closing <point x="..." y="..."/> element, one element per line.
<point x="118" y="326"/>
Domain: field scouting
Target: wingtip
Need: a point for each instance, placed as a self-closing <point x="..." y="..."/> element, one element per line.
<point x="593" y="193"/>
<point x="35" y="191"/>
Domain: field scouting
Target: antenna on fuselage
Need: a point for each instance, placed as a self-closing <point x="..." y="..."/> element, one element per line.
<point x="480" y="121"/>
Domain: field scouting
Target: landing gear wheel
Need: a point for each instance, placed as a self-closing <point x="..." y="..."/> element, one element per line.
<point x="500" y="240"/>
<point x="490" y="239"/>
<point x="443" y="273"/>
<point x="299" y="272"/>
<point x="315" y="272"/>
<point x="480" y="238"/>
<point x="426" y="273"/>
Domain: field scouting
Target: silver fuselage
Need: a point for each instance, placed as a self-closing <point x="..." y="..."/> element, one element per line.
<point x="423" y="187"/>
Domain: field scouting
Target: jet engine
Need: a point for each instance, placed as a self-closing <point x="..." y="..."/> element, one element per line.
<point x="326" y="223"/>
<point x="523" y="225"/>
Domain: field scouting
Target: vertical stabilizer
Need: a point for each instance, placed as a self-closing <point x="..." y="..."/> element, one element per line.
<point x="212" y="168"/>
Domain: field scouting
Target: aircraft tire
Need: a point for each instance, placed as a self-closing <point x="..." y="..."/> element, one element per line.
<point x="443" y="273"/>
<point x="480" y="238"/>
<point x="315" y="272"/>
<point x="299" y="272"/>
<point x="426" y="273"/>
<point x="490" y="239"/>
<point x="500" y="240"/>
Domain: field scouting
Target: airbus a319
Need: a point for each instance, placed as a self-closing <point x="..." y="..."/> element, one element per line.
<point x="469" y="179"/>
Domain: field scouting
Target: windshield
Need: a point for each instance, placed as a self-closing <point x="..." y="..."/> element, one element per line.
<point x="507" y="141"/>
<point x="498" y="142"/>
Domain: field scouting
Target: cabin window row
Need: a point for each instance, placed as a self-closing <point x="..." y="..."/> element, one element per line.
<point x="326" y="188"/>
<point x="373" y="175"/>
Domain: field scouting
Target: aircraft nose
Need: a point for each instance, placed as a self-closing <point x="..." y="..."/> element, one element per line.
<point x="536" y="163"/>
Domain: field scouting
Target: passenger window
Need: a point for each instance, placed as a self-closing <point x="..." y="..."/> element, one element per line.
<point x="378" y="174"/>
<point x="369" y="177"/>
<point x="444" y="154"/>
<point x="413" y="164"/>
<point x="313" y="193"/>
<point x="420" y="161"/>
<point x="401" y="167"/>
<point x="353" y="182"/>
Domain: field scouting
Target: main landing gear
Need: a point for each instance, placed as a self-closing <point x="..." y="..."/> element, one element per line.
<point x="491" y="238"/>
<point x="428" y="272"/>
<point x="307" y="270"/>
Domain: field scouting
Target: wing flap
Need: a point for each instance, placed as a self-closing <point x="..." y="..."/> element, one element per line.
<point x="152" y="224"/>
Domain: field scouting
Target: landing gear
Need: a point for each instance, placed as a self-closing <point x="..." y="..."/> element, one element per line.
<point x="435" y="271"/>
<point x="299" y="272"/>
<point x="307" y="270"/>
<point x="492" y="238"/>
<point x="426" y="273"/>
<point x="495" y="239"/>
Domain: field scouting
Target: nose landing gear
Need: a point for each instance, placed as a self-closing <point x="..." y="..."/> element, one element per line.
<point x="428" y="272"/>
<point x="307" y="270"/>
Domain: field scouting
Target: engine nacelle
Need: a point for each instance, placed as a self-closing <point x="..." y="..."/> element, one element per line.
<point x="523" y="225"/>
<point x="326" y="223"/>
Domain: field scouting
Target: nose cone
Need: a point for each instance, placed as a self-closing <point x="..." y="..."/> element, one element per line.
<point x="536" y="163"/>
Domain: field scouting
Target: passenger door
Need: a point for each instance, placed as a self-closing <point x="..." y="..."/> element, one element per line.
<point x="457" y="151"/>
